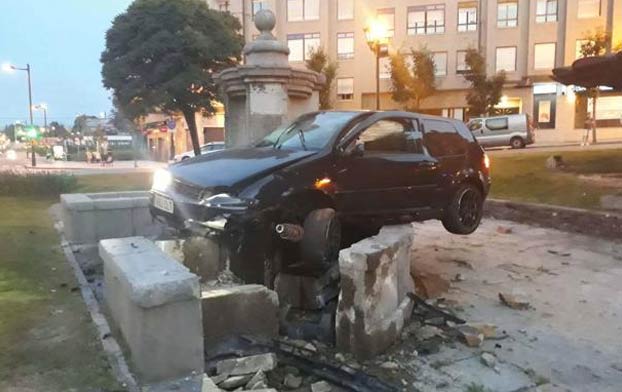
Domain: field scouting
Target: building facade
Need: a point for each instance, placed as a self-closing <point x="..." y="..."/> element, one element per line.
<point x="526" y="38"/>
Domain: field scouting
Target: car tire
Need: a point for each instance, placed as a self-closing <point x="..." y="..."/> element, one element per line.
<point x="184" y="158"/>
<point x="517" y="142"/>
<point x="322" y="237"/>
<point x="465" y="210"/>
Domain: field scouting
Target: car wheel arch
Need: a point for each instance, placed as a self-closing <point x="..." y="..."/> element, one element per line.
<point x="303" y="201"/>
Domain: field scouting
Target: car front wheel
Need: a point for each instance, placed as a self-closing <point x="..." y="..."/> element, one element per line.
<point x="322" y="237"/>
<point x="464" y="212"/>
<point x="517" y="142"/>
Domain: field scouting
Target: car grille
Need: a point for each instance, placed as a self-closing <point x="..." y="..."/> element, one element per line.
<point x="189" y="191"/>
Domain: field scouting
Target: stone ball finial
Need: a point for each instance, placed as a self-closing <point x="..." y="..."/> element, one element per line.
<point x="265" y="21"/>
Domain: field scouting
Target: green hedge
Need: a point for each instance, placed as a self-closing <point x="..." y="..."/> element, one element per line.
<point x="36" y="184"/>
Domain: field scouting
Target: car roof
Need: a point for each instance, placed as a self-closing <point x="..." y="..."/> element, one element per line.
<point x="397" y="113"/>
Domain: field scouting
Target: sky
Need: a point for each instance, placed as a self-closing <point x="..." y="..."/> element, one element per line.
<point x="62" y="40"/>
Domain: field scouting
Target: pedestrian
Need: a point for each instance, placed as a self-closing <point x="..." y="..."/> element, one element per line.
<point x="588" y="126"/>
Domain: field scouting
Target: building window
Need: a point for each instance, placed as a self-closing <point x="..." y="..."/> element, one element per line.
<point x="386" y="16"/>
<point x="259" y="5"/>
<point x="507" y="14"/>
<point x="384" y="71"/>
<point x="467" y="16"/>
<point x="544" y="56"/>
<point x="345" y="89"/>
<point x="345" y="9"/>
<point x="429" y="19"/>
<point x="588" y="9"/>
<point x="461" y="65"/>
<point x="440" y="63"/>
<point x="506" y="59"/>
<point x="298" y="10"/>
<point x="546" y="11"/>
<point x="301" y="45"/>
<point x="345" y="46"/>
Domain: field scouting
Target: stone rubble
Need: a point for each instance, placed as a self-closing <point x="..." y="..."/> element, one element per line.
<point x="513" y="301"/>
<point x="247" y="365"/>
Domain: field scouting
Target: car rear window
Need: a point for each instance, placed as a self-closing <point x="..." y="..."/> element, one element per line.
<point x="442" y="139"/>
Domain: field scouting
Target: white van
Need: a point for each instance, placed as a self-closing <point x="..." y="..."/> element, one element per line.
<point x="514" y="130"/>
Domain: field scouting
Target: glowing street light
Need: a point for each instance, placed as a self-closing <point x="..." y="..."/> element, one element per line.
<point x="11" y="68"/>
<point x="377" y="36"/>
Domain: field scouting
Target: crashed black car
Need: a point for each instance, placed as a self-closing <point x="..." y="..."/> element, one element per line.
<point x="306" y="187"/>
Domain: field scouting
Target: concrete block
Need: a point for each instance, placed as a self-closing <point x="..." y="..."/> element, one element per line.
<point x="373" y="302"/>
<point x="239" y="310"/>
<point x="247" y="365"/>
<point x="89" y="217"/>
<point x="307" y="292"/>
<point x="154" y="301"/>
<point x="203" y="257"/>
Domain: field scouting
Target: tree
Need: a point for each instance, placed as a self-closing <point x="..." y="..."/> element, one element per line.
<point x="594" y="44"/>
<point x="161" y="55"/>
<point x="320" y="62"/>
<point x="9" y="131"/>
<point x="58" y="130"/>
<point x="485" y="92"/>
<point x="415" y="83"/>
<point x="80" y="124"/>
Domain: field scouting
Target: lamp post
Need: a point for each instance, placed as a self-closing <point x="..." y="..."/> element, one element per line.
<point x="44" y="107"/>
<point x="9" y="68"/>
<point x="377" y="40"/>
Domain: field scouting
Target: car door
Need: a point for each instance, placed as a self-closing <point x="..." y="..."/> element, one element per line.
<point x="383" y="168"/>
<point x="497" y="131"/>
<point x="476" y="126"/>
<point x="449" y="148"/>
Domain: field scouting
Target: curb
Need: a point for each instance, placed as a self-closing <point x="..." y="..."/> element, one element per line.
<point x="113" y="351"/>
<point x="602" y="224"/>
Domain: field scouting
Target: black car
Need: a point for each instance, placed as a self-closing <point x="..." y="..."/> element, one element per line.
<point x="328" y="173"/>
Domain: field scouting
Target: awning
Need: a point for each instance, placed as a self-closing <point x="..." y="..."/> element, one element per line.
<point x="592" y="72"/>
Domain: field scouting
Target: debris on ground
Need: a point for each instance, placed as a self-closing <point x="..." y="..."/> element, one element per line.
<point x="430" y="285"/>
<point x="489" y="360"/>
<point x="555" y="162"/>
<point x="513" y="301"/>
<point x="471" y="336"/>
<point x="504" y="230"/>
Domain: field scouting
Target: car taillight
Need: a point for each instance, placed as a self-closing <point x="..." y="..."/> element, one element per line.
<point x="486" y="161"/>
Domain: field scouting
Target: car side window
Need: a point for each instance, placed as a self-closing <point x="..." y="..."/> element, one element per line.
<point x="442" y="139"/>
<point x="387" y="136"/>
<point x="497" y="124"/>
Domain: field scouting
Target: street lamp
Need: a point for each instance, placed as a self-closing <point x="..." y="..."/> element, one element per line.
<point x="377" y="39"/>
<point x="10" y="68"/>
<point x="44" y="107"/>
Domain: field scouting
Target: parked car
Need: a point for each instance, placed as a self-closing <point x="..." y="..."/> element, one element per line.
<point x="514" y="130"/>
<point x="302" y="183"/>
<point x="206" y="148"/>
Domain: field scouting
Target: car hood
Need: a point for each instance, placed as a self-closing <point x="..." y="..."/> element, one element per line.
<point x="228" y="168"/>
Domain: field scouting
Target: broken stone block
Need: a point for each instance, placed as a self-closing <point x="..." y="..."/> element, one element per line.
<point x="259" y="381"/>
<point x="292" y="382"/>
<point x="247" y="365"/>
<point x="427" y="332"/>
<point x="321" y="386"/>
<point x="555" y="162"/>
<point x="471" y="336"/>
<point x="389" y="365"/>
<point x="307" y="292"/>
<point x="504" y="230"/>
<point x="375" y="281"/>
<point x="488" y="330"/>
<point x="208" y="385"/>
<point x="235" y="381"/>
<point x="430" y="285"/>
<point x="239" y="310"/>
<point x="489" y="360"/>
<point x="202" y="256"/>
<point x="513" y="301"/>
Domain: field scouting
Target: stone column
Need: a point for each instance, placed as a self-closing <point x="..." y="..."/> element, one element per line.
<point x="266" y="92"/>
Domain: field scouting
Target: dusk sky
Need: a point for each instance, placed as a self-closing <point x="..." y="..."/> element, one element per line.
<point x="62" y="40"/>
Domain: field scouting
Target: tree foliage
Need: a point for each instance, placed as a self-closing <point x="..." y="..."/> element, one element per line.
<point x="161" y="55"/>
<point x="595" y="44"/>
<point x="320" y="62"/>
<point x="80" y="124"/>
<point x="485" y="92"/>
<point x="415" y="82"/>
<point x="57" y="129"/>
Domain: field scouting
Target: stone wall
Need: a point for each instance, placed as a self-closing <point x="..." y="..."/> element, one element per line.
<point x="375" y="281"/>
<point x="90" y="217"/>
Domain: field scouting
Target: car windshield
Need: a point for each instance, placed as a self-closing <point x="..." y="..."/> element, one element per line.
<point x="311" y="131"/>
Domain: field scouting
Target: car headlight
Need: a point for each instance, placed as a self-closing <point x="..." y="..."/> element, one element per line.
<point x="162" y="179"/>
<point x="227" y="202"/>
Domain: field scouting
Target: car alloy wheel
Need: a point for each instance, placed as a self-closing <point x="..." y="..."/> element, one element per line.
<point x="469" y="208"/>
